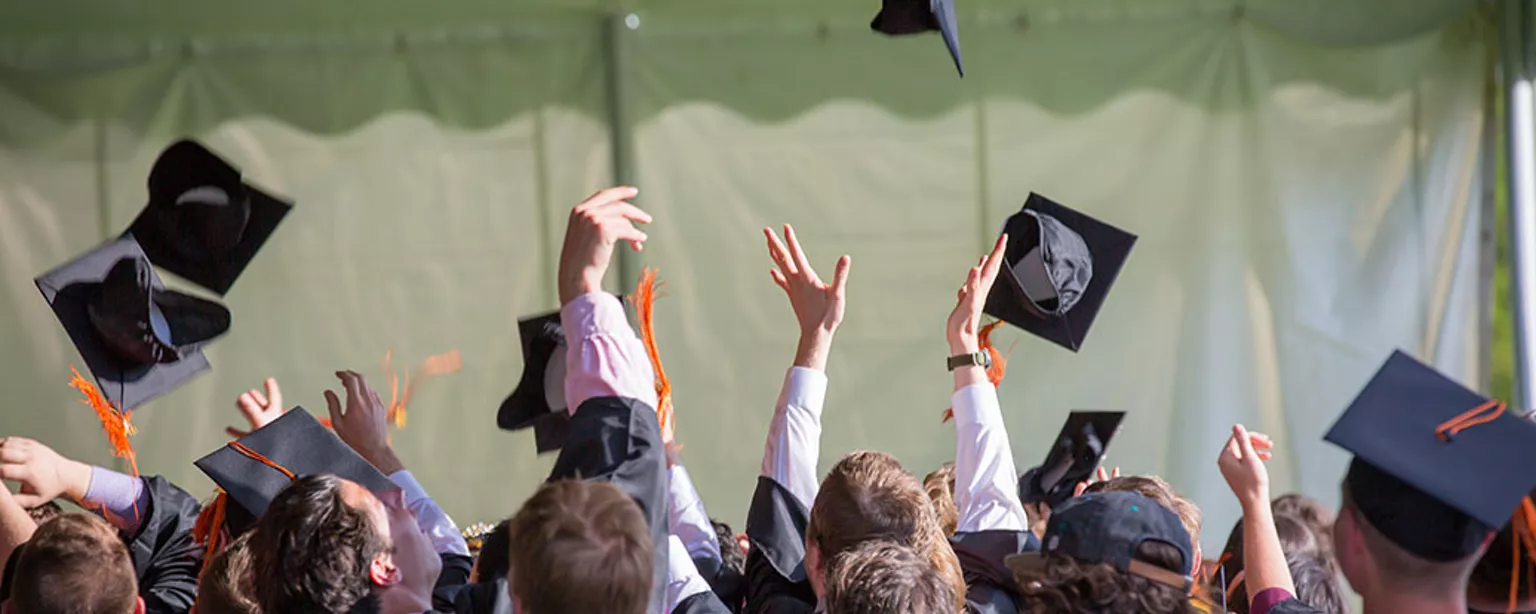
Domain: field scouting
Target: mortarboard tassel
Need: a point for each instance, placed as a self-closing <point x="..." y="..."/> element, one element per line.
<point x="115" y="421"/>
<point x="999" y="366"/>
<point x="645" y="299"/>
<point x="400" y="393"/>
<point x="209" y="528"/>
<point x="1524" y="525"/>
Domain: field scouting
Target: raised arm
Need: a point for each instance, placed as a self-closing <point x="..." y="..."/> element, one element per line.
<point x="1265" y="571"/>
<point x="985" y="478"/>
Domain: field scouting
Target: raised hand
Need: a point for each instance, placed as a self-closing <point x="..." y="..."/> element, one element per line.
<point x="1099" y="476"/>
<point x="364" y="425"/>
<point x="259" y="408"/>
<point x="596" y="225"/>
<point x="1242" y="465"/>
<point x="44" y="475"/>
<point x="818" y="306"/>
<point x="964" y="324"/>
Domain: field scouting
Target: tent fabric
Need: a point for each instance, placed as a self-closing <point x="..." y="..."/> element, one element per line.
<point x="1305" y="204"/>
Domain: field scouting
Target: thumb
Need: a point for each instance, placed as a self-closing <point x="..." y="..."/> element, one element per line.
<point x="234" y="432"/>
<point x="28" y="501"/>
<point x="840" y="276"/>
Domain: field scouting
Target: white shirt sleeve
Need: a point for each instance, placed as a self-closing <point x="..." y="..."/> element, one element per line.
<point x="986" y="481"/>
<point x="445" y="535"/>
<point x="683" y="580"/>
<point x="688" y="520"/>
<point x="794" y="435"/>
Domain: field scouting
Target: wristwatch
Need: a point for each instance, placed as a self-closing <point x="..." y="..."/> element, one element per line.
<point x="977" y="359"/>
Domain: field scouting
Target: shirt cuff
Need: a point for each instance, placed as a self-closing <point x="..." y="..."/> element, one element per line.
<point x="115" y="496"/>
<point x="975" y="404"/>
<point x="805" y="389"/>
<point x="408" y="484"/>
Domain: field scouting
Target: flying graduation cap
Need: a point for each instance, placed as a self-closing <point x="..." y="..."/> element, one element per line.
<point x="1077" y="452"/>
<point x="138" y="339"/>
<point x="1436" y="467"/>
<point x="1060" y="265"/>
<point x="539" y="399"/>
<point x="203" y="222"/>
<point x="903" y="17"/>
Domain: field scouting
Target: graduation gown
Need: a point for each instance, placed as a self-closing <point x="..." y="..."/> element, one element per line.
<point x="701" y="603"/>
<point x="617" y="440"/>
<point x="989" y="585"/>
<point x="775" y="577"/>
<point x="452" y="580"/>
<point x="1292" y="606"/>
<point x="727" y="584"/>
<point x="483" y="598"/>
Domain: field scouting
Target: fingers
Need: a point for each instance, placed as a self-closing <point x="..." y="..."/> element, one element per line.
<point x="780" y="254"/>
<point x="1115" y="473"/>
<point x="1077" y="491"/>
<point x="248" y="404"/>
<point x="1245" y="444"/>
<point x="354" y="384"/>
<point x="235" y="433"/>
<point x="797" y="254"/>
<point x="15" y="473"/>
<point x="261" y="399"/>
<point x="606" y="197"/>
<point x="274" y="394"/>
<point x="994" y="261"/>
<point x="1101" y="474"/>
<point x="840" y="276"/>
<point x="27" y="500"/>
<point x="778" y="278"/>
<point x="333" y="404"/>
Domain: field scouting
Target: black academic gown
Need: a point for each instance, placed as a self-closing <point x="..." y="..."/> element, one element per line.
<point x="775" y="576"/>
<point x="483" y="598"/>
<point x="1292" y="606"/>
<point x="728" y="584"/>
<point x="989" y="586"/>
<point x="452" y="580"/>
<point x="165" y="556"/>
<point x="618" y="440"/>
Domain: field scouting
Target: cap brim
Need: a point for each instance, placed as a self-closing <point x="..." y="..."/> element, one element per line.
<point x="1025" y="562"/>
<point x="70" y="289"/>
<point x="1110" y="248"/>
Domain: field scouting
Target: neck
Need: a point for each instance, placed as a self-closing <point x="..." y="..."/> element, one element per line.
<point x="1402" y="603"/>
<point x="397" y="600"/>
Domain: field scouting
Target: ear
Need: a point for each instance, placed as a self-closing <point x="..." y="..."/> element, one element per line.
<point x="383" y="572"/>
<point x="1199" y="559"/>
<point x="138" y="605"/>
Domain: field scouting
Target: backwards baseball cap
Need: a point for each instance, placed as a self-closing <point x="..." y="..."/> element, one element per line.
<point x="1078" y="450"/>
<point x="1436" y="466"/>
<point x="1108" y="528"/>
<point x="902" y="17"/>
<point x="1060" y="265"/>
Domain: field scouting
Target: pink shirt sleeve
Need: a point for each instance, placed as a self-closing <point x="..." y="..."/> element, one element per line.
<point x="604" y="357"/>
<point x="1267" y="599"/>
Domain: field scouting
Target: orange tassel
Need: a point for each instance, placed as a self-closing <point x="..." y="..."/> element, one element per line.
<point x="645" y="303"/>
<point x="999" y="366"/>
<point x="209" y="528"/>
<point x="114" y="420"/>
<point x="1524" y="551"/>
<point x="400" y="393"/>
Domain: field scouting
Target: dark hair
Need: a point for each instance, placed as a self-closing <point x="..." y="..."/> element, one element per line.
<point x="1317" y="583"/>
<point x="731" y="556"/>
<point x="45" y="512"/>
<point x="1064" y="585"/>
<point x="75" y="563"/>
<point x="311" y="551"/>
<point x="226" y="583"/>
<point x="1295" y="539"/>
<point x="495" y="559"/>
<point x="878" y="577"/>
<point x="581" y="547"/>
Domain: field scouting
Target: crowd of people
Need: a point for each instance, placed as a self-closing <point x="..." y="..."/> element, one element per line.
<point x="315" y="517"/>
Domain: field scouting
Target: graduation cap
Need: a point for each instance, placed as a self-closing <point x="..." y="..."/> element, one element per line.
<point x="902" y="17"/>
<point x="539" y="399"/>
<point x="137" y="338"/>
<point x="254" y="469"/>
<point x="1059" y="266"/>
<point x="1077" y="452"/>
<point x="202" y="221"/>
<point x="1436" y="466"/>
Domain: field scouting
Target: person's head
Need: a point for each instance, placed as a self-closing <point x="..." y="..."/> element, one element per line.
<point x="1312" y="513"/>
<point x="581" y="547"/>
<point x="732" y="557"/>
<point x="1434" y="563"/>
<point x="940" y="485"/>
<point x="1317" y="584"/>
<point x="868" y="496"/>
<point x="1495" y="574"/>
<point x="1159" y="490"/>
<point x="225" y="586"/>
<point x="1109" y="553"/>
<point x="322" y="546"/>
<point x="495" y="559"/>
<point x="75" y="564"/>
<point x="45" y="512"/>
<point x="878" y="576"/>
<point x="1296" y="539"/>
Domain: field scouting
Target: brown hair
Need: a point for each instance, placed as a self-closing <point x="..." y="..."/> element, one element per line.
<point x="1317" y="517"/>
<point x="311" y="550"/>
<point x="1296" y="539"/>
<point x="1064" y="585"/>
<point x="225" y="585"/>
<point x="878" y="576"/>
<point x="940" y="486"/>
<point x="1159" y="490"/>
<point x="581" y="547"/>
<point x="868" y="496"/>
<point x="48" y="510"/>
<point x="75" y="564"/>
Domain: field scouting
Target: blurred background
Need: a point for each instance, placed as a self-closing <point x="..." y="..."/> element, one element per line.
<point x="1314" y="183"/>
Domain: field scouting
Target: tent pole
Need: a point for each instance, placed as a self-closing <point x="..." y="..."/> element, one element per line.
<point x="1520" y="138"/>
<point x="620" y="129"/>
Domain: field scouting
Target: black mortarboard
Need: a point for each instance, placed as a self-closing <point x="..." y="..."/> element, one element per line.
<point x="202" y="221"/>
<point x="539" y="399"/>
<point x="900" y="17"/>
<point x="1077" y="452"/>
<point x="1436" y="466"/>
<point x="1057" y="271"/>
<point x="256" y="467"/>
<point x="138" y="339"/>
